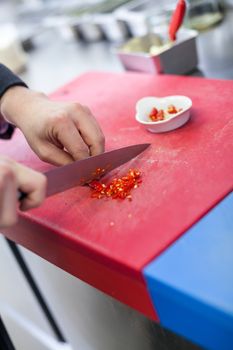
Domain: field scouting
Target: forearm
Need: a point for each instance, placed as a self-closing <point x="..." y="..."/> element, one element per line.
<point x="16" y="102"/>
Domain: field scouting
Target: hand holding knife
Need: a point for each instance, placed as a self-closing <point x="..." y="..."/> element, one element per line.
<point x="84" y="171"/>
<point x="59" y="133"/>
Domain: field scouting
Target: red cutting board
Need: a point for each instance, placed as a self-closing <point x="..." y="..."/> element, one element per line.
<point x="185" y="173"/>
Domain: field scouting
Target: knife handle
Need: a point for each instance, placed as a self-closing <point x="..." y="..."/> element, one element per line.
<point x="21" y="195"/>
<point x="177" y="19"/>
<point x="6" y="130"/>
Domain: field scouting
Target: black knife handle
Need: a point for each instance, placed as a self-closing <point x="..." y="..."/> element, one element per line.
<point x="21" y="196"/>
<point x="6" y="130"/>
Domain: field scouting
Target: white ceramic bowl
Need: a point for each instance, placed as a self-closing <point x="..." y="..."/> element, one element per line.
<point x="174" y="121"/>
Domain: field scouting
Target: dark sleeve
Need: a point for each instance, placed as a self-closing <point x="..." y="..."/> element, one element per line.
<point x="7" y="80"/>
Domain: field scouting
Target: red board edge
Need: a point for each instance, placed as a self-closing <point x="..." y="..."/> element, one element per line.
<point x="127" y="288"/>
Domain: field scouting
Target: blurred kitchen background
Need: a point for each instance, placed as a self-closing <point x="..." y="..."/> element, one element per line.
<point x="48" y="43"/>
<point x="51" y="41"/>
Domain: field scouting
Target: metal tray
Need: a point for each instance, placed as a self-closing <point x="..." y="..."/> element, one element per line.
<point x="180" y="58"/>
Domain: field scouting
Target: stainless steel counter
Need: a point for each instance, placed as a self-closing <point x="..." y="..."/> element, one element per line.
<point x="215" y="48"/>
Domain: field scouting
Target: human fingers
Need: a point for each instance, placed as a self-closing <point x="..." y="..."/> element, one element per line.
<point x="52" y="153"/>
<point x="68" y="135"/>
<point x="8" y="201"/>
<point x="33" y="184"/>
<point x="89" y="129"/>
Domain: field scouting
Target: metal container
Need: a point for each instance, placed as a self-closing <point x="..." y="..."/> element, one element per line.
<point x="91" y="21"/>
<point x="80" y="19"/>
<point x="138" y="14"/>
<point x="178" y="58"/>
<point x="97" y="21"/>
<point x="114" y="30"/>
<point x="202" y="15"/>
<point x="86" y="29"/>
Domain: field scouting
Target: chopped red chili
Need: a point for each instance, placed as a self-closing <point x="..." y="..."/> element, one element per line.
<point x="153" y="113"/>
<point x="157" y="115"/>
<point x="172" y="109"/>
<point x="118" y="188"/>
<point x="160" y="115"/>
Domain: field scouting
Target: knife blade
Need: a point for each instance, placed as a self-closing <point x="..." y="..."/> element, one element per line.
<point x="84" y="171"/>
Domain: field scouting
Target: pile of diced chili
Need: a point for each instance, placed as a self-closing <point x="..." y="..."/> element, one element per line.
<point x="118" y="188"/>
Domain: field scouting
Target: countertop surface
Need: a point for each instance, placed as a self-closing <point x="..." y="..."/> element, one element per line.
<point x="118" y="239"/>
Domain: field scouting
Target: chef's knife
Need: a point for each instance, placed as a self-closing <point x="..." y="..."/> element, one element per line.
<point x="84" y="171"/>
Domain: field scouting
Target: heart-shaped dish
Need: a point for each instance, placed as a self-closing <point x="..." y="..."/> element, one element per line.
<point x="172" y="121"/>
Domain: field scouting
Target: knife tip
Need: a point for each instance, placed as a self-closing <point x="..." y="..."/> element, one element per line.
<point x="146" y="145"/>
